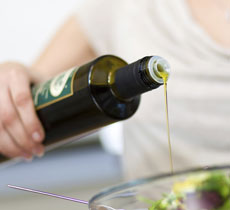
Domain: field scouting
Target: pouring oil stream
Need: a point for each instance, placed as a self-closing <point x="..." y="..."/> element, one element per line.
<point x="165" y="74"/>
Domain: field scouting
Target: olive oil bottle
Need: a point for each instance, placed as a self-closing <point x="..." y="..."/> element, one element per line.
<point x="99" y="93"/>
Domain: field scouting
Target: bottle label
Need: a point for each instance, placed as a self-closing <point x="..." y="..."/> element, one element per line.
<point x="54" y="90"/>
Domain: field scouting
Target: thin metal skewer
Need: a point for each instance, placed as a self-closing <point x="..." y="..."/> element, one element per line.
<point x="49" y="194"/>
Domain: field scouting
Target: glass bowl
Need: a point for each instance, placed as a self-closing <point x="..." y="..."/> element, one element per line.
<point x="142" y="194"/>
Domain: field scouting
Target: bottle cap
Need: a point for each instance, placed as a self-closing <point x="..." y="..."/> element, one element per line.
<point x="158" y="68"/>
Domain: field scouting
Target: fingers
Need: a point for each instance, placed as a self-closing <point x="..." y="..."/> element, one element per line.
<point x="8" y="147"/>
<point x="23" y="102"/>
<point x="12" y="125"/>
<point x="21" y="132"/>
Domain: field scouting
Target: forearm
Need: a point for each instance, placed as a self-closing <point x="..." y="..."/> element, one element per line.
<point x="68" y="48"/>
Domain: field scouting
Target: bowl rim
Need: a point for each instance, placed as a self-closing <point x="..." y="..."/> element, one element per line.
<point x="144" y="180"/>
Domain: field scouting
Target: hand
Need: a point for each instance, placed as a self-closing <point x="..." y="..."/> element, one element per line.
<point x="21" y="132"/>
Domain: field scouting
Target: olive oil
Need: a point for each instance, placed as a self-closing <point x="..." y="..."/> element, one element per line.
<point x="99" y="93"/>
<point x="165" y="75"/>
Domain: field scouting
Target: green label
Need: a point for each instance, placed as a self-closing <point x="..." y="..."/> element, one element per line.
<point x="54" y="90"/>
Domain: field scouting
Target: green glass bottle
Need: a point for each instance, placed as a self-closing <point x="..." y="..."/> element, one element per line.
<point x="99" y="93"/>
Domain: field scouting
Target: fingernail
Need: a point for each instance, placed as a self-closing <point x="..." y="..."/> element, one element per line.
<point x="27" y="157"/>
<point x="38" y="152"/>
<point x="41" y="154"/>
<point x="36" y="136"/>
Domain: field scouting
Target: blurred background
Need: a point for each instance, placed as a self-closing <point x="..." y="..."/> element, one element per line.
<point x="79" y="169"/>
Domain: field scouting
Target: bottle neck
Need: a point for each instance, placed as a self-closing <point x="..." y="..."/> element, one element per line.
<point x="140" y="76"/>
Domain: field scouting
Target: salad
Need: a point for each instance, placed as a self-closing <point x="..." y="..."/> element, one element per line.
<point x="205" y="191"/>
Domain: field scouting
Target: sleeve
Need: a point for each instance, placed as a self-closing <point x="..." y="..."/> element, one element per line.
<point x="98" y="19"/>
